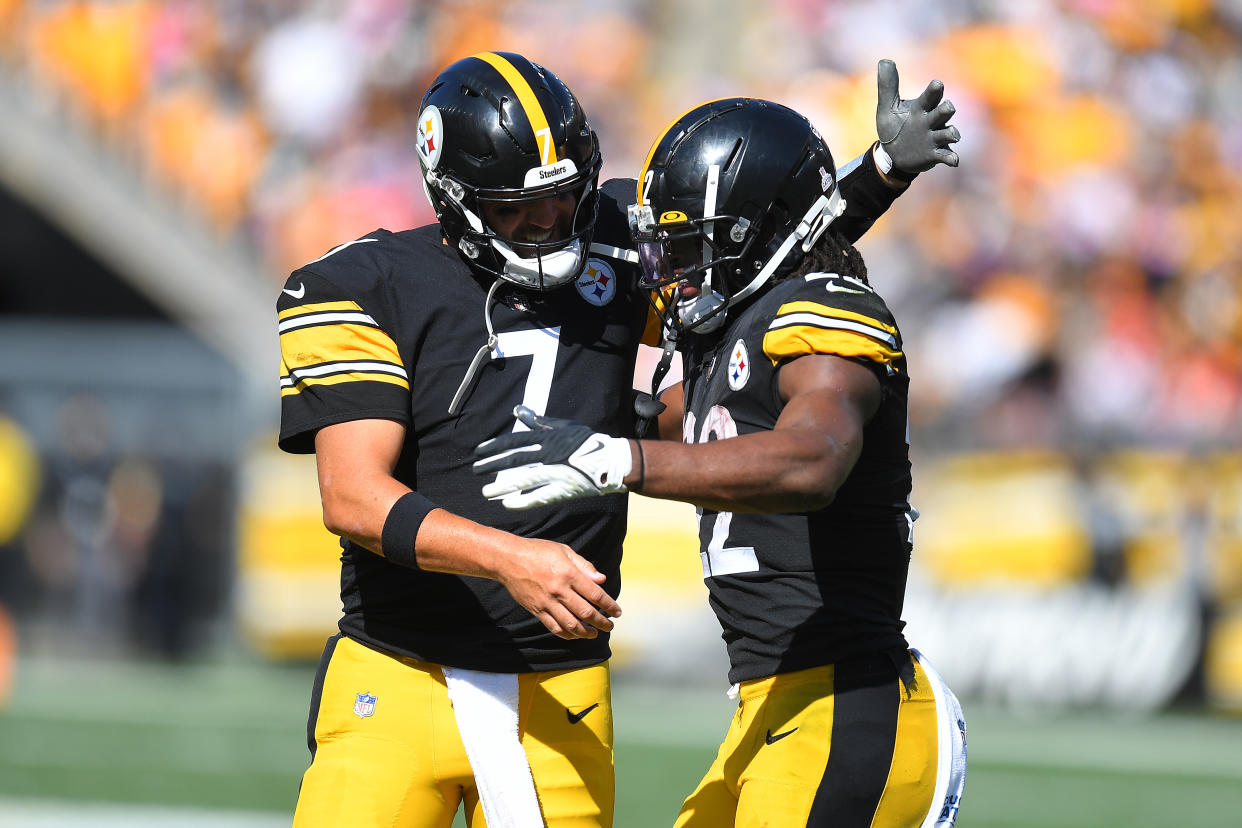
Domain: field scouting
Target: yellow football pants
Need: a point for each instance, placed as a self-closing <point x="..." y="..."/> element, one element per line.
<point x="386" y="749"/>
<point x="813" y="748"/>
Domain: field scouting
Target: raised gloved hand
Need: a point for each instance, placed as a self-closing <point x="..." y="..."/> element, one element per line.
<point x="556" y="460"/>
<point x="915" y="134"/>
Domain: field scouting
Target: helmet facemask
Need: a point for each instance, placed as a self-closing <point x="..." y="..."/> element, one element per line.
<point x="689" y="257"/>
<point x="723" y="258"/>
<point x="536" y="265"/>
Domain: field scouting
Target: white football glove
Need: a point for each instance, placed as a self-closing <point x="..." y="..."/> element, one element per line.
<point x="556" y="460"/>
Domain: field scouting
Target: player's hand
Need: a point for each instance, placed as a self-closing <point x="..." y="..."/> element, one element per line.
<point x="915" y="133"/>
<point x="559" y="587"/>
<point x="556" y="460"/>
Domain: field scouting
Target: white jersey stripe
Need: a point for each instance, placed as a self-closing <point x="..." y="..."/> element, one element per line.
<point x="324" y="319"/>
<point x="326" y="368"/>
<point x="817" y="320"/>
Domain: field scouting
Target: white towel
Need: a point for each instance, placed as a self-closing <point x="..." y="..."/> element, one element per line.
<point x="486" y="707"/>
<point x="951" y="767"/>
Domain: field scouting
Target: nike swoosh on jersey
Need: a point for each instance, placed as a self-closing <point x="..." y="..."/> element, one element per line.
<point x="770" y="738"/>
<point x="831" y="287"/>
<point x="296" y="294"/>
<point x="574" y="718"/>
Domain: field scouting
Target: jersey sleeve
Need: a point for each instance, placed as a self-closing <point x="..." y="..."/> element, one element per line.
<point x="337" y="362"/>
<point x="829" y="314"/>
<point x="867" y="196"/>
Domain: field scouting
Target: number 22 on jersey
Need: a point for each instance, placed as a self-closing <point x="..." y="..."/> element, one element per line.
<point x="718" y="558"/>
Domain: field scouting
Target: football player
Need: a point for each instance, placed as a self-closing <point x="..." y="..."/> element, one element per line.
<point x="472" y="659"/>
<point x="792" y="441"/>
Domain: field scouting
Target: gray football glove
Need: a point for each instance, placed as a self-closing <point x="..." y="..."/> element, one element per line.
<point x="556" y="460"/>
<point x="915" y="134"/>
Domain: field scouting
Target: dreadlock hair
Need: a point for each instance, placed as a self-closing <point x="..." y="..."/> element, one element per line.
<point x="832" y="254"/>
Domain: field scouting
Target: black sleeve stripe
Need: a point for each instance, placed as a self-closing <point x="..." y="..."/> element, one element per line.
<point x="328" y="369"/>
<point x="301" y="384"/>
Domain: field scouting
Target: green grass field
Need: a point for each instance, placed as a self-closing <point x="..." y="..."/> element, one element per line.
<point x="222" y="744"/>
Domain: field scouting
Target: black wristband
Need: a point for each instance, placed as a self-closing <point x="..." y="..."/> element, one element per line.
<point x="642" y="467"/>
<point x="401" y="528"/>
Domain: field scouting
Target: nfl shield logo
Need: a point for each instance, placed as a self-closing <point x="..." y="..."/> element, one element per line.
<point x="364" y="705"/>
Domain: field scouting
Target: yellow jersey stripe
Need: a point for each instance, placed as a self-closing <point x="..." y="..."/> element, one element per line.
<point x="836" y="313"/>
<point x="814" y="320"/>
<point x="801" y="340"/>
<point x="356" y="376"/>
<point x="310" y="320"/>
<point x="325" y="369"/>
<point x="530" y="103"/>
<point x="307" y="347"/>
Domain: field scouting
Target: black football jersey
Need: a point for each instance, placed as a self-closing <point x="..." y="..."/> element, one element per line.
<point x="386" y="327"/>
<point x="798" y="590"/>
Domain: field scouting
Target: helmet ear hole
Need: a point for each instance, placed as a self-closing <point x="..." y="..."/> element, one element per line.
<point x="587" y="208"/>
<point x="769" y="237"/>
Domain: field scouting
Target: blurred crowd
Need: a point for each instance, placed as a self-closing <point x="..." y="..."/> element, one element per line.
<point x="105" y="549"/>
<point x="1078" y="280"/>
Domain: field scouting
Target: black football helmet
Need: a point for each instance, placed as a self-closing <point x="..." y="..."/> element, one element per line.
<point x="496" y="127"/>
<point x="732" y="193"/>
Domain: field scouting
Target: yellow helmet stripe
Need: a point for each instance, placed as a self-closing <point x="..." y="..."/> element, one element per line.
<point x="642" y="174"/>
<point x="530" y="104"/>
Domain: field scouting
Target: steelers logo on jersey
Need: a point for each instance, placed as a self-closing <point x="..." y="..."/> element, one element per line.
<point x="739" y="366"/>
<point x="598" y="283"/>
<point x="430" y="137"/>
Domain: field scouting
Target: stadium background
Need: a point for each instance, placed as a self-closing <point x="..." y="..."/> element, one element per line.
<point x="1071" y="298"/>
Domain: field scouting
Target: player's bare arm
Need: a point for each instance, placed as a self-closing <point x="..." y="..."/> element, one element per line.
<point x="355" y="464"/>
<point x="797" y="466"/>
<point x="668" y="424"/>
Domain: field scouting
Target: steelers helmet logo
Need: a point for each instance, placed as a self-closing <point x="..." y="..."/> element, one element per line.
<point x="598" y="283"/>
<point x="430" y="137"/>
<point x="739" y="366"/>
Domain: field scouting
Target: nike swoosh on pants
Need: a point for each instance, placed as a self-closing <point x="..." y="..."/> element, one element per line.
<point x="574" y="718"/>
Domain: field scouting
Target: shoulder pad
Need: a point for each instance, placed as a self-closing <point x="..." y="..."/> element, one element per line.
<point x="612" y="229"/>
<point x="824" y="313"/>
